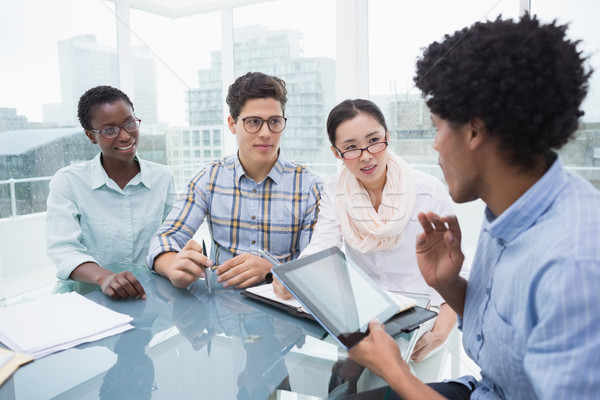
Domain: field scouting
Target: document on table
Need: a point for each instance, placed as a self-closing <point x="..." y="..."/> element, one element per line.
<point x="265" y="293"/>
<point x="58" y="322"/>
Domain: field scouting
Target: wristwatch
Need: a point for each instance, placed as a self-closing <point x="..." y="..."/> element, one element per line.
<point x="269" y="277"/>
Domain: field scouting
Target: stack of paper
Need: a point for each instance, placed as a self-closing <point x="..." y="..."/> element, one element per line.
<point x="58" y="322"/>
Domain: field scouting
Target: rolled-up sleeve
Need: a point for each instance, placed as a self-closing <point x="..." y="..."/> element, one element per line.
<point x="182" y="222"/>
<point x="63" y="230"/>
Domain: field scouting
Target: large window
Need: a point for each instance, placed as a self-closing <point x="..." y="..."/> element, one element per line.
<point x="175" y="58"/>
<point x="582" y="155"/>
<point x="397" y="33"/>
<point x="180" y="48"/>
<point x="51" y="53"/>
<point x="296" y="41"/>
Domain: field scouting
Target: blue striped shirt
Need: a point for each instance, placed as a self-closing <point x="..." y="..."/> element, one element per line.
<point x="531" y="318"/>
<point x="277" y="214"/>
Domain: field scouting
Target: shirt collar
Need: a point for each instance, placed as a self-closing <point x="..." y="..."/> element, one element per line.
<point x="144" y="175"/>
<point x="98" y="174"/>
<point x="275" y="173"/>
<point x="99" y="177"/>
<point x="530" y="206"/>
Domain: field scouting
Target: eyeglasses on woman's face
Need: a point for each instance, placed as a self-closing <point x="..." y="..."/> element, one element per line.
<point x="113" y="131"/>
<point x="355" y="153"/>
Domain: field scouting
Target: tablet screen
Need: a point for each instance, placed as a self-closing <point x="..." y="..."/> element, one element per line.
<point x="338" y="294"/>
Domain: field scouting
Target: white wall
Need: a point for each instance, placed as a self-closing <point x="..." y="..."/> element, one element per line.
<point x="23" y="254"/>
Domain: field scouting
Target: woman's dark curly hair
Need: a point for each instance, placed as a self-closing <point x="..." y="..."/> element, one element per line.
<point x="95" y="97"/>
<point x="525" y="80"/>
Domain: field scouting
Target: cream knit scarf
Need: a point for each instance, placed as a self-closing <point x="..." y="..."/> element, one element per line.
<point x="365" y="229"/>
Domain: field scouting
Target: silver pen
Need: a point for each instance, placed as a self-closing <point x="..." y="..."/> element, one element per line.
<point x="207" y="270"/>
<point x="269" y="257"/>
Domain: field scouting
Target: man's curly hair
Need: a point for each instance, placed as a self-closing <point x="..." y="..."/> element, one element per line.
<point x="525" y="80"/>
<point x="95" y="97"/>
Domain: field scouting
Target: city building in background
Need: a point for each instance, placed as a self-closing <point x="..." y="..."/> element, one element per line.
<point x="84" y="64"/>
<point x="9" y="119"/>
<point x="187" y="148"/>
<point x="411" y="131"/>
<point x="38" y="153"/>
<point x="582" y="152"/>
<point x="310" y="83"/>
<point x="412" y="135"/>
<point x="30" y="156"/>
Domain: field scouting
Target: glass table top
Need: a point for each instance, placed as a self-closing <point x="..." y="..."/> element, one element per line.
<point x="186" y="344"/>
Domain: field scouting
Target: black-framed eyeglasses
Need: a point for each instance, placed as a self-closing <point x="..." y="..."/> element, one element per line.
<point x="276" y="124"/>
<point x="355" y="153"/>
<point x="113" y="131"/>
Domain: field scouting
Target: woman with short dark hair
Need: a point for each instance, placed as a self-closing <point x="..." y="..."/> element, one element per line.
<point x="104" y="211"/>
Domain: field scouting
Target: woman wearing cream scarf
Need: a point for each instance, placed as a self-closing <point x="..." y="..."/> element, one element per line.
<point x="369" y="208"/>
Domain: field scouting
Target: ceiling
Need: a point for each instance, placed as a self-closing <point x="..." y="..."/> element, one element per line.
<point x="185" y="8"/>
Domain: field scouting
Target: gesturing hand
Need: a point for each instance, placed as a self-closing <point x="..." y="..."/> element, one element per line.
<point x="438" y="249"/>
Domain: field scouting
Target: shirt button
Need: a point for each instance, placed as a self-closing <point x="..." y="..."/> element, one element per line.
<point x="253" y="217"/>
<point x="478" y="337"/>
<point x="253" y="190"/>
<point x="253" y="242"/>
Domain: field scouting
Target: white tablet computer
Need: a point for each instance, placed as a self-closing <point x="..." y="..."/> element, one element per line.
<point x="341" y="297"/>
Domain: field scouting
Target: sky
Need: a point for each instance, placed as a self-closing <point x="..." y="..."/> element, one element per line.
<point x="29" y="75"/>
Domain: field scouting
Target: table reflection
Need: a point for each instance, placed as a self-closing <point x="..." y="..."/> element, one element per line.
<point x="266" y="339"/>
<point x="185" y="343"/>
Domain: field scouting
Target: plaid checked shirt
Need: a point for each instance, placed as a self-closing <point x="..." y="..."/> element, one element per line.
<point x="277" y="214"/>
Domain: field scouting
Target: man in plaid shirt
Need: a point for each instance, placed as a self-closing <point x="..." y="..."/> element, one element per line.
<point x="253" y="200"/>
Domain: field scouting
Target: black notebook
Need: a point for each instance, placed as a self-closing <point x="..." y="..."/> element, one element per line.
<point x="264" y="293"/>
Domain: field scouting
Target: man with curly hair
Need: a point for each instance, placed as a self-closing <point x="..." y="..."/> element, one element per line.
<point x="503" y="96"/>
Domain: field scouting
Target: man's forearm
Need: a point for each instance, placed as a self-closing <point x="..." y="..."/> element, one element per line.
<point x="454" y="294"/>
<point x="163" y="262"/>
<point x="410" y="387"/>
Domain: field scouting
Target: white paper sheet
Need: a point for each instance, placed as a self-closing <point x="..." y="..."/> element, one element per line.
<point x="266" y="291"/>
<point x="58" y="322"/>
